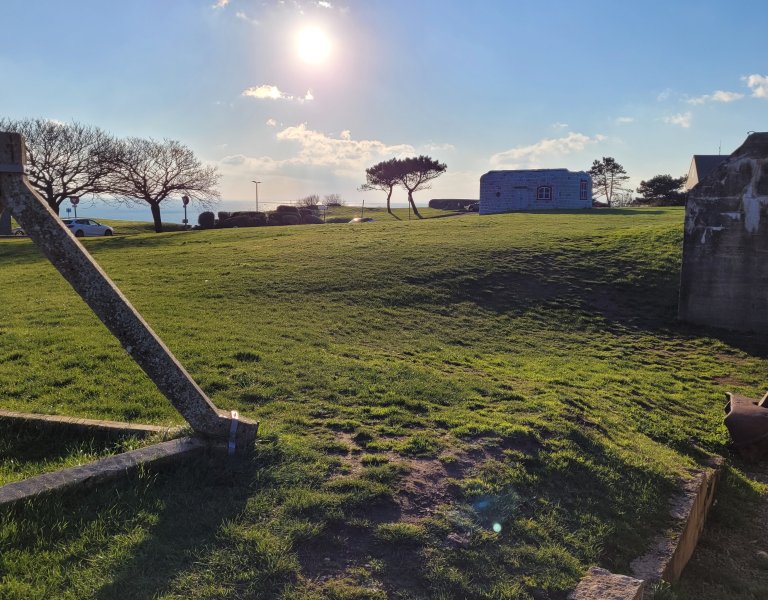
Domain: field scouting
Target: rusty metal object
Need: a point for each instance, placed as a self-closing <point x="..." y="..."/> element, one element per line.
<point x="88" y="279"/>
<point x="747" y="422"/>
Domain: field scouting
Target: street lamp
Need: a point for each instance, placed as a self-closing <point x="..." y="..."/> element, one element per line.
<point x="257" y="193"/>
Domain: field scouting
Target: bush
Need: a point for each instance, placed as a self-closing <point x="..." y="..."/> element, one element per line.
<point x="245" y="220"/>
<point x="223" y="216"/>
<point x="206" y="220"/>
<point x="284" y="209"/>
<point x="290" y="219"/>
<point x="311" y="220"/>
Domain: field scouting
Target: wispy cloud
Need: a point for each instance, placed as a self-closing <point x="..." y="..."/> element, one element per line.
<point x="531" y="156"/>
<point x="664" y="95"/>
<point x="219" y="4"/>
<point x="718" y="96"/>
<point x="625" y="120"/>
<point x="758" y="84"/>
<point x="271" y="123"/>
<point x="323" y="4"/>
<point x="244" y="17"/>
<point x="559" y="125"/>
<point x="272" y="92"/>
<point x="344" y="156"/>
<point x="681" y="119"/>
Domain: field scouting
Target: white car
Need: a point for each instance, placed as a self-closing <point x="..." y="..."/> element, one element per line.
<point x="87" y="227"/>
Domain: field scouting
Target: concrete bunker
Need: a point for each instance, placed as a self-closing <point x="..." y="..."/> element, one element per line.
<point x="724" y="277"/>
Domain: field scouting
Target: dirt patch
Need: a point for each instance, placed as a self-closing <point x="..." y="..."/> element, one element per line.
<point x="728" y="380"/>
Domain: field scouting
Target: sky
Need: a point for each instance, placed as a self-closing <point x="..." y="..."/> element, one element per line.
<point x="304" y="95"/>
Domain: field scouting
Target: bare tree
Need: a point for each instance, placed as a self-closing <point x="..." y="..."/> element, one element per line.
<point x="64" y="159"/>
<point x="383" y="176"/>
<point x="310" y="201"/>
<point x="333" y="200"/>
<point x="416" y="173"/>
<point x="145" y="170"/>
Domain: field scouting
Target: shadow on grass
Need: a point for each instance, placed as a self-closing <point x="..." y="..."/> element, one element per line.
<point x="142" y="535"/>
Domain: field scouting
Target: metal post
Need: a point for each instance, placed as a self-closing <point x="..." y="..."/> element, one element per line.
<point x="362" y="210"/>
<point x="257" y="193"/>
<point x="103" y="297"/>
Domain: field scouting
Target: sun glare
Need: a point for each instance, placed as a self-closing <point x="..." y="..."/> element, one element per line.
<point x="313" y="45"/>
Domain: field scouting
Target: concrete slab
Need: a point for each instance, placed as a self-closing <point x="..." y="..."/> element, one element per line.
<point x="90" y="427"/>
<point x="106" y="469"/>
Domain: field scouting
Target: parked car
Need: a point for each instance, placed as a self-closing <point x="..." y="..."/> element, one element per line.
<point x="361" y="220"/>
<point x="87" y="227"/>
<point x="18" y="231"/>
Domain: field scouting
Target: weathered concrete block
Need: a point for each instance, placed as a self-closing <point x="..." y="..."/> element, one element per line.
<point x="106" y="469"/>
<point x="724" y="280"/>
<point x="600" y="584"/>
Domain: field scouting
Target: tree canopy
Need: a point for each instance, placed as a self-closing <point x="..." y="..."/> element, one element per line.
<point x="414" y="174"/>
<point x="383" y="176"/>
<point x="146" y="170"/>
<point x="64" y="159"/>
<point x="607" y="178"/>
<point x="663" y="190"/>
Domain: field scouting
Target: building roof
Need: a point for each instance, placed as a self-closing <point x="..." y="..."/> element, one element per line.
<point x="701" y="166"/>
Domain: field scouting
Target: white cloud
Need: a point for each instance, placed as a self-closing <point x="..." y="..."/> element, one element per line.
<point x="559" y="125"/>
<point x="244" y="17"/>
<point x="758" y="84"/>
<point x="681" y="119"/>
<point x="718" y="96"/>
<point x="343" y="155"/>
<point x="323" y="4"/>
<point x="433" y="147"/>
<point x="219" y="4"/>
<point x="530" y="156"/>
<point x="272" y="92"/>
<point x="625" y="120"/>
<point x="271" y="123"/>
<point x="664" y="95"/>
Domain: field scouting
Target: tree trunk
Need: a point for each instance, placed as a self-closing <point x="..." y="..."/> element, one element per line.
<point x="413" y="205"/>
<point x="156" y="217"/>
<point x="389" y="196"/>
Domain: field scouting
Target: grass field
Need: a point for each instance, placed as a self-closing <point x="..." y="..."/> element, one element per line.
<point x="469" y="407"/>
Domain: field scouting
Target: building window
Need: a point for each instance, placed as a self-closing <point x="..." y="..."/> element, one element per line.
<point x="544" y="192"/>
<point x="583" y="190"/>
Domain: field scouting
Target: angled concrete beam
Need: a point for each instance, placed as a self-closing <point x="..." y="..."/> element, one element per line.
<point x="105" y="299"/>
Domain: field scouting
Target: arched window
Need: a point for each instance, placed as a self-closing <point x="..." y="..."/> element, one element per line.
<point x="544" y="192"/>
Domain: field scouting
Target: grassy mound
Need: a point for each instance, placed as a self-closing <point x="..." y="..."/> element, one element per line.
<point x="472" y="407"/>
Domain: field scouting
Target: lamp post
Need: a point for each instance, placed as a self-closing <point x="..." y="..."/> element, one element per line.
<point x="257" y="193"/>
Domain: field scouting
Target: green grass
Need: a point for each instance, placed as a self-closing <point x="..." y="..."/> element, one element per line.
<point x="536" y="357"/>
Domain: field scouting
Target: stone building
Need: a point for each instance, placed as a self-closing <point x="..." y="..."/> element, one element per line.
<point x="701" y="166"/>
<point x="534" y="189"/>
<point x="724" y="278"/>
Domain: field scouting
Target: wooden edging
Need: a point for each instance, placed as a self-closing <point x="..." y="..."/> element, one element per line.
<point x="88" y="426"/>
<point x="105" y="469"/>
<point x="669" y="552"/>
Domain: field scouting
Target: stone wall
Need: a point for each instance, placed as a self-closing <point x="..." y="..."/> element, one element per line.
<point x="505" y="191"/>
<point x="724" y="279"/>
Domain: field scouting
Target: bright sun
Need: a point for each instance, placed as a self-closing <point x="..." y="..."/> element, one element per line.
<point x="313" y="45"/>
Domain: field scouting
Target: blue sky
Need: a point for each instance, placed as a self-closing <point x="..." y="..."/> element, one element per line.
<point x="480" y="86"/>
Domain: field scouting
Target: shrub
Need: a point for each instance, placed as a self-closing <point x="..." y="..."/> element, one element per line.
<point x="290" y="219"/>
<point x="311" y="220"/>
<point x="245" y="220"/>
<point x="206" y="220"/>
<point x="223" y="216"/>
<point x="288" y="210"/>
